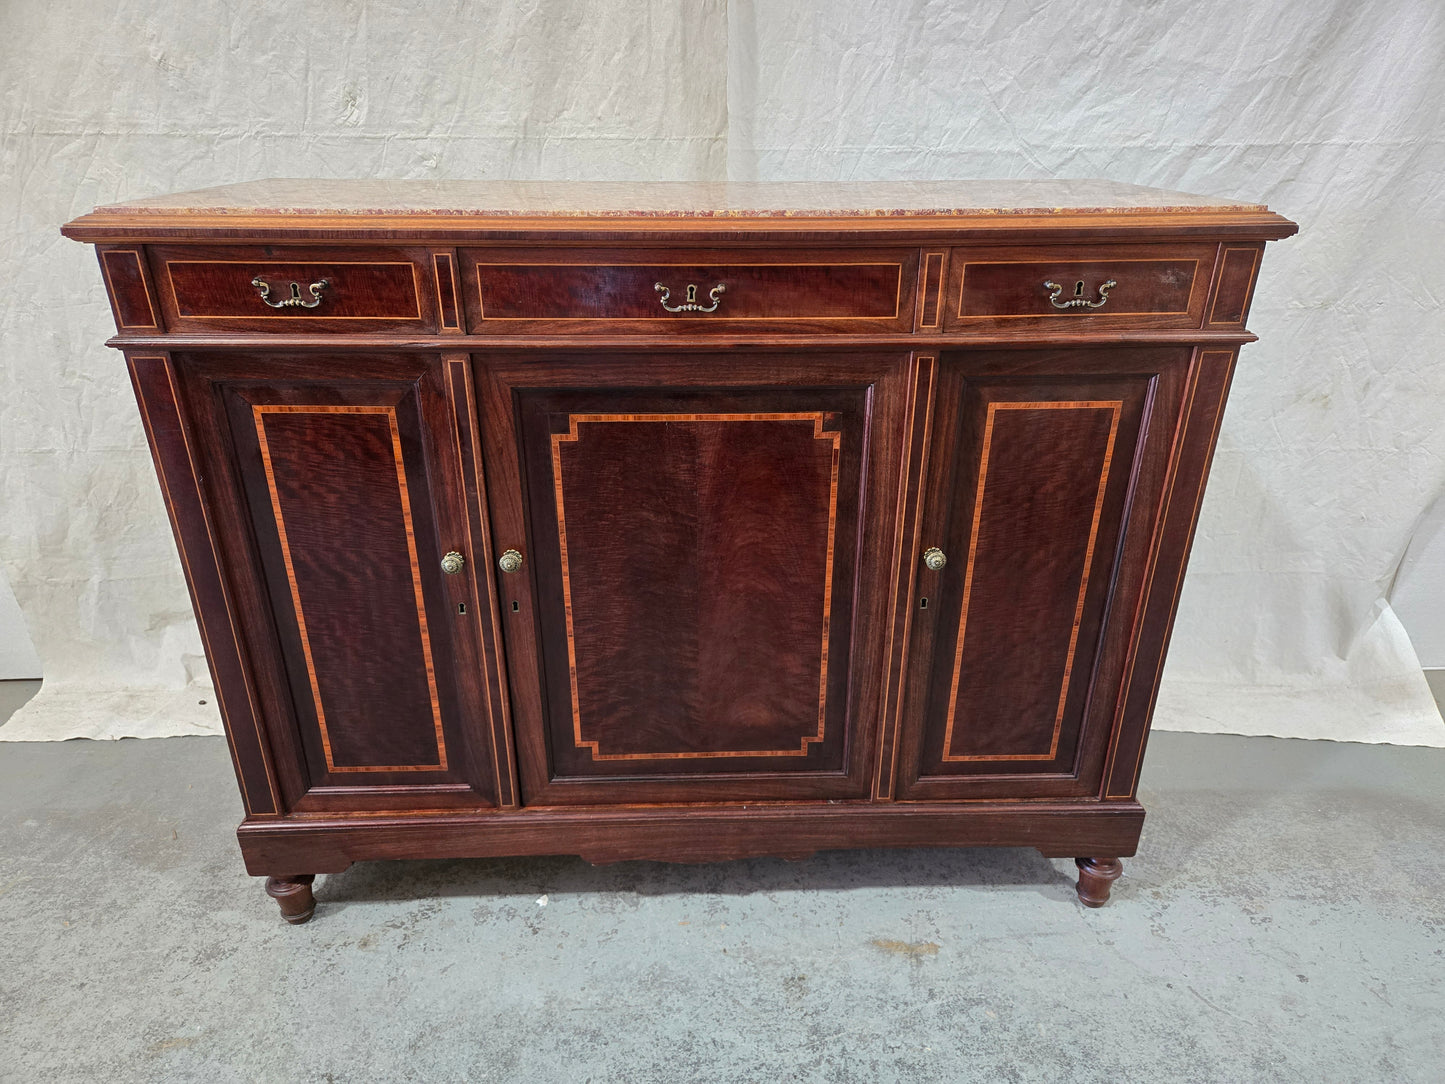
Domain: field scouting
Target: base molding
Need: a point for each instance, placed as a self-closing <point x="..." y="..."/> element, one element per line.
<point x="273" y="846"/>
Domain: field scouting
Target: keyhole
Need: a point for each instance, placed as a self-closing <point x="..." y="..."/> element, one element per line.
<point x="515" y="607"/>
<point x="691" y="293"/>
<point x="461" y="607"/>
<point x="923" y="603"/>
<point x="1079" y="288"/>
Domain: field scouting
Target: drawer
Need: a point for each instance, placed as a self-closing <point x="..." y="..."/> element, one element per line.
<point x="1111" y="286"/>
<point x="689" y="290"/>
<point x="291" y="289"/>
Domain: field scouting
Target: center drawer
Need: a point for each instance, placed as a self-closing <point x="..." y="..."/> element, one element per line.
<point x="509" y="290"/>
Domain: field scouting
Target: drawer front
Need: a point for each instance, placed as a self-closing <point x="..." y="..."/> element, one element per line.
<point x="576" y="290"/>
<point x="282" y="289"/>
<point x="1120" y="285"/>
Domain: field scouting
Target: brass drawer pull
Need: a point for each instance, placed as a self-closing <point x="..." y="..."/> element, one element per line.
<point x="691" y="305"/>
<point x="1078" y="300"/>
<point x="294" y="301"/>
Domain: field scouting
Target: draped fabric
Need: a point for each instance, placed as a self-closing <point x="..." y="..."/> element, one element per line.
<point x="1333" y="448"/>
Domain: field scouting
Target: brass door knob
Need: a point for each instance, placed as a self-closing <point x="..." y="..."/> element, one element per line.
<point x="510" y="561"/>
<point x="934" y="558"/>
<point x="452" y="563"/>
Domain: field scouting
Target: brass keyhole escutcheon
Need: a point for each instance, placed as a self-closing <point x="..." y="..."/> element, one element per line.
<point x="692" y="304"/>
<point x="452" y="563"/>
<point x="1079" y="301"/>
<point x="934" y="558"/>
<point x="510" y="561"/>
<point x="295" y="299"/>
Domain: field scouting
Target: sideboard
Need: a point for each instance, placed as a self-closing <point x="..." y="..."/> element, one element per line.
<point x="681" y="521"/>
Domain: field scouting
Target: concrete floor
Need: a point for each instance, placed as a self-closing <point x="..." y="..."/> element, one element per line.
<point x="14" y="694"/>
<point x="1285" y="921"/>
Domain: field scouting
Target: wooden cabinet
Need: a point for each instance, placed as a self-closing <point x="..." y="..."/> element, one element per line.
<point x="681" y="522"/>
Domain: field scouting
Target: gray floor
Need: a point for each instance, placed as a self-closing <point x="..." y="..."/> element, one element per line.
<point x="13" y="694"/>
<point x="1285" y="920"/>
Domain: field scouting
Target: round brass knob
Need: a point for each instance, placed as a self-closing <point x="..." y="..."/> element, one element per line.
<point x="510" y="561"/>
<point x="452" y="563"/>
<point x="934" y="558"/>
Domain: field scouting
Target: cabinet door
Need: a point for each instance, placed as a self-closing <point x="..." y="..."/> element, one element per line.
<point x="706" y="543"/>
<point x="1044" y="476"/>
<point x="346" y="494"/>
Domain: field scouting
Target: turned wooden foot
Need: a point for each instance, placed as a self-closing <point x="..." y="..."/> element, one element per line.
<point x="293" y="893"/>
<point x="1096" y="877"/>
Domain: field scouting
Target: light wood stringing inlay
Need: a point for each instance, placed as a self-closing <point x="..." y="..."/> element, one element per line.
<point x="1114" y="406"/>
<point x="816" y="417"/>
<point x="438" y="259"/>
<point x="110" y="285"/>
<point x="932" y="273"/>
<point x="149" y="426"/>
<point x="504" y="759"/>
<point x="455" y="368"/>
<point x="260" y="412"/>
<point x="1228" y="362"/>
<point x="920" y="392"/>
<point x="1255" y="255"/>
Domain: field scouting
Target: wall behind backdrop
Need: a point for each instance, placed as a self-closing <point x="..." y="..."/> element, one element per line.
<point x="1333" y="113"/>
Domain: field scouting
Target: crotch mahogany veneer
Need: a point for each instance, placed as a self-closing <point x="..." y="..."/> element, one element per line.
<point x="681" y="522"/>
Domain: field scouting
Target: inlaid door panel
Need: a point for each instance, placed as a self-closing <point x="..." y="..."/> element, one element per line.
<point x="1033" y="497"/>
<point x="703" y="575"/>
<point x="350" y="491"/>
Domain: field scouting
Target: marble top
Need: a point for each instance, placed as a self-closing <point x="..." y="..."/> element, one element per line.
<point x="675" y="199"/>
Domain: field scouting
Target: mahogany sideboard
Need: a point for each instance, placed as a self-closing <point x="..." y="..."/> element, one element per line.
<point x="676" y="521"/>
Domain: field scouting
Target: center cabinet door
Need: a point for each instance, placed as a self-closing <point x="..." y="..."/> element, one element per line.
<point x="700" y="610"/>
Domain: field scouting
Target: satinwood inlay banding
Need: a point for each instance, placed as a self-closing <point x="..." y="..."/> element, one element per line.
<point x="818" y="421"/>
<point x="260" y="412"/>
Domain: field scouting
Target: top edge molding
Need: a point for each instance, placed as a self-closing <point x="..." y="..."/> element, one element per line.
<point x="338" y="209"/>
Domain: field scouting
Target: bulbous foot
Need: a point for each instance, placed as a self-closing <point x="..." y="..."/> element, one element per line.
<point x="293" y="894"/>
<point x="1096" y="877"/>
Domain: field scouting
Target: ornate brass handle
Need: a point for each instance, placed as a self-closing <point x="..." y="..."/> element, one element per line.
<point x="452" y="563"/>
<point x="510" y="561"/>
<point x="691" y="304"/>
<point x="294" y="301"/>
<point x="934" y="558"/>
<point x="1078" y="301"/>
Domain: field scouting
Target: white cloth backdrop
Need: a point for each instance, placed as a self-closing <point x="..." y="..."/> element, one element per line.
<point x="1332" y="112"/>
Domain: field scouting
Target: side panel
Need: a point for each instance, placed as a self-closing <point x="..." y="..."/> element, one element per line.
<point x="217" y="611"/>
<point x="1194" y="448"/>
